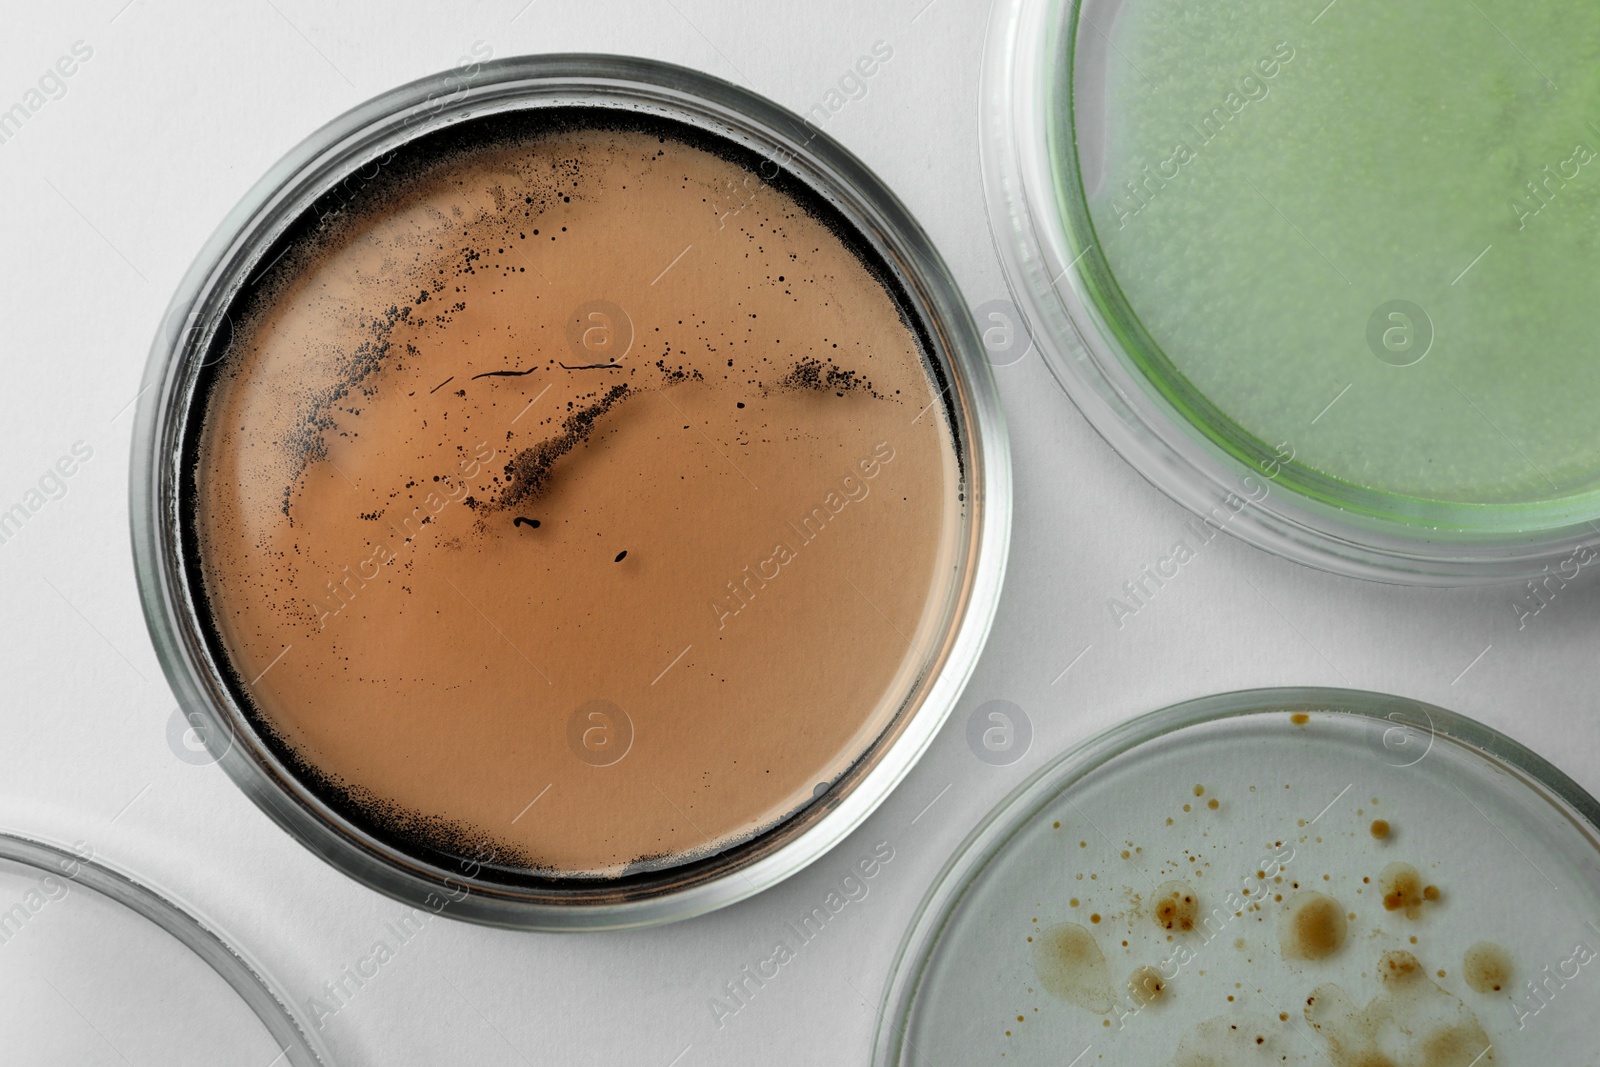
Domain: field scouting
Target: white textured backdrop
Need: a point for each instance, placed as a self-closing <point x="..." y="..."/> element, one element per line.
<point x="109" y="188"/>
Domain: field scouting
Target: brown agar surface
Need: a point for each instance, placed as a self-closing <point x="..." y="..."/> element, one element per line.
<point x="573" y="496"/>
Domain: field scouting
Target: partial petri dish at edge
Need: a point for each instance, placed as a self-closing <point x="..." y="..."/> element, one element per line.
<point x="96" y="968"/>
<point x="570" y="493"/>
<point x="1272" y="877"/>
<point x="1323" y="273"/>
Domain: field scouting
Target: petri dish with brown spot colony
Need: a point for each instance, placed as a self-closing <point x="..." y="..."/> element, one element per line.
<point x="571" y="494"/>
<point x="1274" y="928"/>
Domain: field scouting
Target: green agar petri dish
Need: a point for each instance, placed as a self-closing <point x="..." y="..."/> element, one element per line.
<point x="1337" y="260"/>
<point x="1279" y="877"/>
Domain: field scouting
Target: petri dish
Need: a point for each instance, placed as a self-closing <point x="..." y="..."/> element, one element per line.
<point x="1283" y="876"/>
<point x="98" y="968"/>
<point x="1318" y="271"/>
<point x="570" y="493"/>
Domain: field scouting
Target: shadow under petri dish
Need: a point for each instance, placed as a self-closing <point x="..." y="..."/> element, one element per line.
<point x="1354" y="248"/>
<point x="569" y="494"/>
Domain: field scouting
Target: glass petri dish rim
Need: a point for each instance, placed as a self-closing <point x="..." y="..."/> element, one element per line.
<point x="1046" y="242"/>
<point x="1012" y="814"/>
<point x="196" y="669"/>
<point x="243" y="975"/>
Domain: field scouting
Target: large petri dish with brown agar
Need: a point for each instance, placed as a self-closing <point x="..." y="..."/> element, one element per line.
<point x="570" y="492"/>
<point x="1281" y="876"/>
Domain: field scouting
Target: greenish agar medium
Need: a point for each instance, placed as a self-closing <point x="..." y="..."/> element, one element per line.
<point x="1355" y="245"/>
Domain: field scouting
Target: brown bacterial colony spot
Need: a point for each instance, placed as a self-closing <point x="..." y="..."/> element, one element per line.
<point x="1072" y="968"/>
<point x="1299" y="718"/>
<point x="1487" y="967"/>
<point x="1312" y="927"/>
<point x="1177" y="907"/>
<point x="367" y="533"/>
<point x="1199" y="790"/>
<point x="1403" y="889"/>
<point x="1380" y="828"/>
<point x="1146" y="986"/>
<point x="1213" y="804"/>
<point x="1399" y="967"/>
<point x="1095" y="917"/>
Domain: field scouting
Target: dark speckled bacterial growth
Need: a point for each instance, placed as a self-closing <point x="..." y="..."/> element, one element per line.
<point x="1103" y="916"/>
<point x="568" y="409"/>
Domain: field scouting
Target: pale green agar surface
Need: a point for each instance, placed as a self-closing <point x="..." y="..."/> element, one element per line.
<point x="1277" y="173"/>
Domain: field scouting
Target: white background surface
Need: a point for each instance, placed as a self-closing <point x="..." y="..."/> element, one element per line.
<point x="108" y="192"/>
